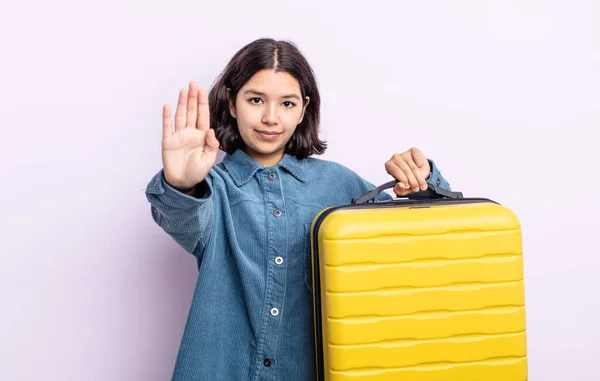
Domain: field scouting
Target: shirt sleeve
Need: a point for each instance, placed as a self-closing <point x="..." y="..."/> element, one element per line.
<point x="187" y="219"/>
<point x="436" y="177"/>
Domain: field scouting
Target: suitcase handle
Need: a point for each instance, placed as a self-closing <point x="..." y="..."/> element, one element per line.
<point x="433" y="191"/>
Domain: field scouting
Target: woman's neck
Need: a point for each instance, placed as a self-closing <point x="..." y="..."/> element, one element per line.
<point x="266" y="160"/>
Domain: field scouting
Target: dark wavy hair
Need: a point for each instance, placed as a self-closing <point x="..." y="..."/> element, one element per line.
<point x="281" y="56"/>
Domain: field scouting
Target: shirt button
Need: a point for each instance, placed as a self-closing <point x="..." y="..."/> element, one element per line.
<point x="277" y="213"/>
<point x="267" y="363"/>
<point x="279" y="260"/>
<point x="438" y="181"/>
<point x="272" y="176"/>
<point x="274" y="312"/>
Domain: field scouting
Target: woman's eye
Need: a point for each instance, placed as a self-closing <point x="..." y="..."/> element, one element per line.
<point x="288" y="104"/>
<point x="255" y="101"/>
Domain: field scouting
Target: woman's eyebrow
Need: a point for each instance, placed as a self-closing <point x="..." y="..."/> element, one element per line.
<point x="254" y="92"/>
<point x="294" y="96"/>
<point x="259" y="93"/>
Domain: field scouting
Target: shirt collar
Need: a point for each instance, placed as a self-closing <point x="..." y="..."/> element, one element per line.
<point x="296" y="167"/>
<point x="242" y="167"/>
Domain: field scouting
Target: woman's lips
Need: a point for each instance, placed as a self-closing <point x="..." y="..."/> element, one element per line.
<point x="268" y="135"/>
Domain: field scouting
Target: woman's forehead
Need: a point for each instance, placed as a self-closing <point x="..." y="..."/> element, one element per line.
<point x="272" y="83"/>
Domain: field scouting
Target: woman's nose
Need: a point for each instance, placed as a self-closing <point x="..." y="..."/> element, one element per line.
<point x="270" y="116"/>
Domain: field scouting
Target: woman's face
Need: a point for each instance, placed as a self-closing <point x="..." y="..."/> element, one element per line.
<point x="268" y="108"/>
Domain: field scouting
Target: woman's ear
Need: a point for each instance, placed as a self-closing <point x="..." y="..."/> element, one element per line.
<point x="304" y="109"/>
<point x="231" y="103"/>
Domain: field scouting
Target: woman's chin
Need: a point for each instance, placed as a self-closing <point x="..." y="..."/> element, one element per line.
<point x="265" y="150"/>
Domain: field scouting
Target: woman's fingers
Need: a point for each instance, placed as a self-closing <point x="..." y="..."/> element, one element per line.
<point x="192" y="110"/>
<point x="203" y="111"/>
<point x="181" y="112"/>
<point x="416" y="171"/>
<point x="404" y="168"/>
<point x="192" y="105"/>
<point x="421" y="166"/>
<point x="167" y="122"/>
<point x="417" y="156"/>
<point x="408" y="172"/>
<point x="396" y="172"/>
<point x="400" y="190"/>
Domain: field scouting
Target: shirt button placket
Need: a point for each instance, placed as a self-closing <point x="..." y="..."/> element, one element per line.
<point x="276" y="272"/>
<point x="278" y="213"/>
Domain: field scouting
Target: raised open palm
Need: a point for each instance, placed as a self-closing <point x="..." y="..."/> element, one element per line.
<point x="190" y="151"/>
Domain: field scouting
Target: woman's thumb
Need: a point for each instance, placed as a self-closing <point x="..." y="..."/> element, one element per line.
<point x="211" y="142"/>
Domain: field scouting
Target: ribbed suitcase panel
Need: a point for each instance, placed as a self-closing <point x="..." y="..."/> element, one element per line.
<point x="423" y="294"/>
<point x="510" y="369"/>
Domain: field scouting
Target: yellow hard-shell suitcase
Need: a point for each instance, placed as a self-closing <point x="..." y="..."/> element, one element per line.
<point x="427" y="289"/>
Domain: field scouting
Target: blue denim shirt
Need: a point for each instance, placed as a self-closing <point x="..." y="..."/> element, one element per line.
<point x="251" y="316"/>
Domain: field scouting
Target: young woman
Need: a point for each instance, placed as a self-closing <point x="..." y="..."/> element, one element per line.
<point x="247" y="219"/>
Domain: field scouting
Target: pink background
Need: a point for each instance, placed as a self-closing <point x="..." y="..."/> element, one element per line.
<point x="503" y="95"/>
